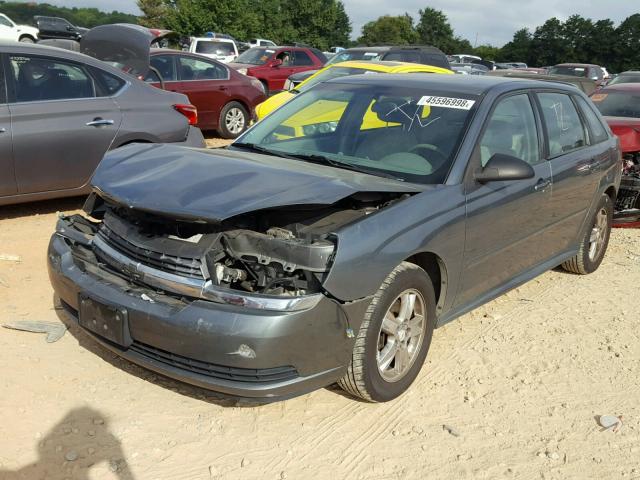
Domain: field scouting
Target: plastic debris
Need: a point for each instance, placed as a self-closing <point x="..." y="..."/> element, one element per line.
<point x="452" y="430"/>
<point x="610" y="422"/>
<point x="10" y="258"/>
<point x="147" y="298"/>
<point x="54" y="331"/>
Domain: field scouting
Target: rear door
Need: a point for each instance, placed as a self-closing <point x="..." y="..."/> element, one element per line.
<point x="506" y="220"/>
<point x="574" y="163"/>
<point x="61" y="127"/>
<point x="206" y="83"/>
<point x="7" y="175"/>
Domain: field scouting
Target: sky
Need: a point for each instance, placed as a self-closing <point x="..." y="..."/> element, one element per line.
<point x="490" y="22"/>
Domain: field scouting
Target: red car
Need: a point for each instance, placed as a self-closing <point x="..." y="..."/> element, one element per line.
<point x="620" y="105"/>
<point x="273" y="65"/>
<point x="225" y="99"/>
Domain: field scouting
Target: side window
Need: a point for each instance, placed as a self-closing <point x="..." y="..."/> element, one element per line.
<point x="512" y="130"/>
<point x="165" y="65"/>
<point x="598" y="132"/>
<point x="285" y="57"/>
<point x="302" y="59"/>
<point x="40" y="78"/>
<point x="194" y="69"/>
<point x="107" y="84"/>
<point x="564" y="127"/>
<point x="5" y="22"/>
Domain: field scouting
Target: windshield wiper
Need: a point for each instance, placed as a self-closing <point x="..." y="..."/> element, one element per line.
<point x="315" y="158"/>
<point x="322" y="160"/>
<point x="257" y="148"/>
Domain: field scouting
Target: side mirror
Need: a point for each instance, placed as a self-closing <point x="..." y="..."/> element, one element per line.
<point x="504" y="167"/>
<point x="277" y="62"/>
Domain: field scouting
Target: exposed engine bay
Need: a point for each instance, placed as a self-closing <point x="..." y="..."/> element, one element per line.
<point x="627" y="208"/>
<point x="278" y="252"/>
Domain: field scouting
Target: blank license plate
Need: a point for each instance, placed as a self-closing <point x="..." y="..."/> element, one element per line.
<point x="108" y="321"/>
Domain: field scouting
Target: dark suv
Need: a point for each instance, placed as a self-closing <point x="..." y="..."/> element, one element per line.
<point x="423" y="54"/>
<point x="56" y="27"/>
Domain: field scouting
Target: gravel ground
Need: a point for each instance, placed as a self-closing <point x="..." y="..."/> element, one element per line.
<point x="511" y="390"/>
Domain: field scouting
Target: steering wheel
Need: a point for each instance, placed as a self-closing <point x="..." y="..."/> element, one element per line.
<point x="431" y="153"/>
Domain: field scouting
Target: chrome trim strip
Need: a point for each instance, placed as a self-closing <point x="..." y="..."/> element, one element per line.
<point x="205" y="289"/>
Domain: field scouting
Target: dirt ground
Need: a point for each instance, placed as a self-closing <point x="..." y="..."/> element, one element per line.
<point x="511" y="390"/>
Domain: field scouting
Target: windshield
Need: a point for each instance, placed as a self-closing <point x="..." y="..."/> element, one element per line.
<point x="629" y="78"/>
<point x="390" y="131"/>
<point x="213" y="47"/>
<point x="617" y="104"/>
<point x="361" y="55"/>
<point x="329" y="73"/>
<point x="255" y="56"/>
<point x="573" y="71"/>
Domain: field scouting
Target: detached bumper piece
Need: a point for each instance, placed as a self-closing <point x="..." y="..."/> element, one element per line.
<point x="236" y="349"/>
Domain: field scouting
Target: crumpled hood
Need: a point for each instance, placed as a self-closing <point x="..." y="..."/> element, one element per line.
<point x="213" y="185"/>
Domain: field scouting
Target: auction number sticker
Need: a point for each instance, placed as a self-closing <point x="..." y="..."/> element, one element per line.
<point x="447" y="102"/>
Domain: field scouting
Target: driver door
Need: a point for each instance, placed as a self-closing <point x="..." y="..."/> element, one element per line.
<point x="506" y="220"/>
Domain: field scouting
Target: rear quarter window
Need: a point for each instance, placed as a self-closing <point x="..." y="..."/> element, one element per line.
<point x="107" y="85"/>
<point x="598" y="132"/>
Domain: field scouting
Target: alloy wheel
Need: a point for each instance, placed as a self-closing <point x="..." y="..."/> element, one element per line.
<point x="234" y="121"/>
<point x="598" y="234"/>
<point x="401" y="335"/>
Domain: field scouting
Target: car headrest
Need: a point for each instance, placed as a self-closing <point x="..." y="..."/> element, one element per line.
<point x="394" y="110"/>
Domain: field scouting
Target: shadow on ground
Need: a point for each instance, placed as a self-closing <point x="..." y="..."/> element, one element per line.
<point x="41" y="208"/>
<point x="78" y="444"/>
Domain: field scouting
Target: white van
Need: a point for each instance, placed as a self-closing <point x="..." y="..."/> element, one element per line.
<point x="222" y="49"/>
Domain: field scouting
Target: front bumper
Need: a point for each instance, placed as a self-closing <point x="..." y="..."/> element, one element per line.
<point x="205" y="343"/>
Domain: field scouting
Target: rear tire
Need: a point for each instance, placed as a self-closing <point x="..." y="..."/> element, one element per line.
<point x="371" y="375"/>
<point x="594" y="243"/>
<point x="27" y="39"/>
<point x="234" y="119"/>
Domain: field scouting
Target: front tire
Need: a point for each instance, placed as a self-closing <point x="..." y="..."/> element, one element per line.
<point x="594" y="243"/>
<point x="234" y="119"/>
<point x="27" y="39"/>
<point x="394" y="337"/>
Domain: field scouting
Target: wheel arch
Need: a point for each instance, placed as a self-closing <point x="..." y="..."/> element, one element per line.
<point x="611" y="191"/>
<point x="435" y="267"/>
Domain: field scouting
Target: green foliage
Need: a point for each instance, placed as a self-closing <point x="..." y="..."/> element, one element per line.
<point x="433" y="28"/>
<point x="388" y="30"/>
<point x="578" y="40"/>
<point x="321" y="23"/>
<point x="154" y="13"/>
<point x="21" y="12"/>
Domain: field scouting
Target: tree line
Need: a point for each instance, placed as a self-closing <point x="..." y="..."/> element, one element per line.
<point x="579" y="40"/>
<point x="321" y="23"/>
<point x="21" y="12"/>
<point x="325" y="23"/>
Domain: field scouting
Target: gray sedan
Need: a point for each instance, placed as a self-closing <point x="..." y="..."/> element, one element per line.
<point x="332" y="237"/>
<point x="60" y="111"/>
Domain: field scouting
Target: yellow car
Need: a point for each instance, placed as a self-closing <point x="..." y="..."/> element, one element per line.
<point x="340" y="70"/>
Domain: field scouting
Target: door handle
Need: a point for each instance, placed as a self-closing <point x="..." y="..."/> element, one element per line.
<point x="99" y="122"/>
<point x="542" y="185"/>
<point x="223" y="88"/>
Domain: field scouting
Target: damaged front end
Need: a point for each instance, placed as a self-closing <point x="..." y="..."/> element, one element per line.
<point x="274" y="259"/>
<point x="627" y="207"/>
